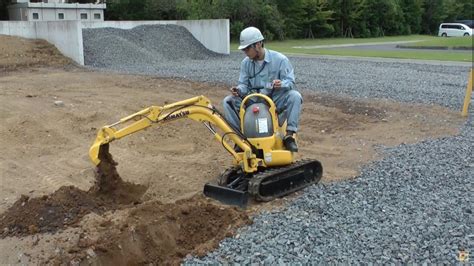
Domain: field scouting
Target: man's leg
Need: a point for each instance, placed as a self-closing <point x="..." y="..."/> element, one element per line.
<point x="290" y="102"/>
<point x="231" y="106"/>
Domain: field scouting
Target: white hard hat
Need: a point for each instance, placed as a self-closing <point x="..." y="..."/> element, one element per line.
<point x="249" y="36"/>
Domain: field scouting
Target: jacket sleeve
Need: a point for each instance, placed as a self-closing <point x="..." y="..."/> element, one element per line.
<point x="287" y="75"/>
<point x="243" y="78"/>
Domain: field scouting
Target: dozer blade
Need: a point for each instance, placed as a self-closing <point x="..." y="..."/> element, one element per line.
<point x="226" y="195"/>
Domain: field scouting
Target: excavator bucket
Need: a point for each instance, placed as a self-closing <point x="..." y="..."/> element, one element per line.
<point x="226" y="195"/>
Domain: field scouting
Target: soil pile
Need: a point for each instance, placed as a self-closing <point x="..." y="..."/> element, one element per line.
<point x="17" y="53"/>
<point x="151" y="232"/>
<point x="67" y="205"/>
<point x="160" y="234"/>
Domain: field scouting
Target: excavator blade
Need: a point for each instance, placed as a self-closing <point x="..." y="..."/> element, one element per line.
<point x="226" y="195"/>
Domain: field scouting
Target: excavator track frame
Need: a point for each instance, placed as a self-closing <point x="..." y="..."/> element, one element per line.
<point x="234" y="187"/>
<point x="277" y="182"/>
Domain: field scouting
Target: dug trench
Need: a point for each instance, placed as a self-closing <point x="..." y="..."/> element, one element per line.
<point x="152" y="233"/>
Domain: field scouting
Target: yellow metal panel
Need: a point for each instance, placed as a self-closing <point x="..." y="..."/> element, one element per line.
<point x="467" y="98"/>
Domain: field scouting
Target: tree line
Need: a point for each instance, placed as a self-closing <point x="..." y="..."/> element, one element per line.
<point x="284" y="19"/>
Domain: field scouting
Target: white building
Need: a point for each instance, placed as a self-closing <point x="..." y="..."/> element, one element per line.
<point x="54" y="10"/>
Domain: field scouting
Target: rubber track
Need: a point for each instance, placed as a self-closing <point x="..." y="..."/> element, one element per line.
<point x="254" y="183"/>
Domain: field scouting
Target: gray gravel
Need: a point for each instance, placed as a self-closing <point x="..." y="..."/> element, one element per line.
<point x="415" y="205"/>
<point x="142" y="45"/>
<point x="171" y="51"/>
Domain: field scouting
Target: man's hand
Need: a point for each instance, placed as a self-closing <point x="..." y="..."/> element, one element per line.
<point x="234" y="91"/>
<point x="277" y="84"/>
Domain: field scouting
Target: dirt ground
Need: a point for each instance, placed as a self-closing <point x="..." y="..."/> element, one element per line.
<point x="51" y="110"/>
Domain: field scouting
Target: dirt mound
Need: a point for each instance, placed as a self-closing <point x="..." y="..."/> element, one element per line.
<point x="17" y="53"/>
<point x="150" y="233"/>
<point x="67" y="205"/>
<point x="160" y="234"/>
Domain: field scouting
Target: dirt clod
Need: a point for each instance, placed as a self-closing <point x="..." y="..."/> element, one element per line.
<point x="110" y="186"/>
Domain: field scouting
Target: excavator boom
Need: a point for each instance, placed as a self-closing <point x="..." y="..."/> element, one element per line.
<point x="198" y="108"/>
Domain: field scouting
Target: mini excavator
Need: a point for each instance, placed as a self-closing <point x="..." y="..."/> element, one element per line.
<point x="262" y="168"/>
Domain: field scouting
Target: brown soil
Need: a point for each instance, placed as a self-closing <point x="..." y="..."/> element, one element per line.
<point x="45" y="158"/>
<point x="17" y="53"/>
<point x="67" y="205"/>
<point x="165" y="233"/>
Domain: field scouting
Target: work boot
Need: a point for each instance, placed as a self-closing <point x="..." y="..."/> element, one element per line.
<point x="290" y="143"/>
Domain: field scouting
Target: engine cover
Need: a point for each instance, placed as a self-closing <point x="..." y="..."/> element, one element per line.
<point x="257" y="121"/>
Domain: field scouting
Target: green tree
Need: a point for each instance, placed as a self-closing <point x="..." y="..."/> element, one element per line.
<point x="263" y="14"/>
<point x="291" y="13"/>
<point x="412" y="12"/>
<point x="163" y="10"/>
<point x="316" y="19"/>
<point x="342" y="9"/>
<point x="383" y="17"/>
<point x="458" y="9"/>
<point x="433" y="15"/>
<point x="357" y="20"/>
<point x="125" y="10"/>
<point x="4" y="9"/>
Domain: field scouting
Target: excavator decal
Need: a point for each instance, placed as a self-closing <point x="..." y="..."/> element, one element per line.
<point x="176" y="116"/>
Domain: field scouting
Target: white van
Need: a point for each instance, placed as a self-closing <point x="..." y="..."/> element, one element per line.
<point x="454" y="30"/>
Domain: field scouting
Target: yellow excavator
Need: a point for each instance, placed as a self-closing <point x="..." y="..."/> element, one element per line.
<point x="262" y="168"/>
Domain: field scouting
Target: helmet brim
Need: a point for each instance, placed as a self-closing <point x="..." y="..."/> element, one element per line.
<point x="242" y="47"/>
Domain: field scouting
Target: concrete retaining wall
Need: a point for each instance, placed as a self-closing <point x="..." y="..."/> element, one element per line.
<point x="67" y="35"/>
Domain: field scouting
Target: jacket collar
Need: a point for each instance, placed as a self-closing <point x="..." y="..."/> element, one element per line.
<point x="267" y="58"/>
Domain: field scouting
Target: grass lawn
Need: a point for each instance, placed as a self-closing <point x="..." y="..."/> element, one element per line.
<point x="446" y="42"/>
<point x="402" y="54"/>
<point x="288" y="47"/>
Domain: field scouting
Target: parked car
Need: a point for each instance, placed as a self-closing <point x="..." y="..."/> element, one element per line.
<point x="454" y="30"/>
<point x="467" y="22"/>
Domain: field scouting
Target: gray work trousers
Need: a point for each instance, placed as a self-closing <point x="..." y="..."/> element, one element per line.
<point x="288" y="105"/>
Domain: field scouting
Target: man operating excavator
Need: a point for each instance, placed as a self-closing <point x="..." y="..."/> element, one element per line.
<point x="261" y="119"/>
<point x="272" y="73"/>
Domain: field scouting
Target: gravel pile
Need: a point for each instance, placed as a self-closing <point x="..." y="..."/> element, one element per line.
<point x="142" y="45"/>
<point x="415" y="205"/>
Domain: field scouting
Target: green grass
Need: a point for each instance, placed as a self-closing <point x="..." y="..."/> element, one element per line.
<point x="312" y="42"/>
<point x="288" y="47"/>
<point x="402" y="54"/>
<point x="446" y="42"/>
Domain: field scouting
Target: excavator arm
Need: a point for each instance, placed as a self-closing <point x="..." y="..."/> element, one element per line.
<point x="197" y="108"/>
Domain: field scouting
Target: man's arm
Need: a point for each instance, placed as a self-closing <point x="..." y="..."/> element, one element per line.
<point x="243" y="79"/>
<point x="287" y="75"/>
